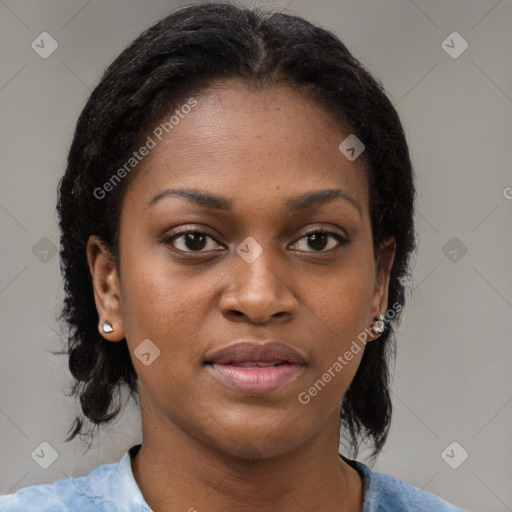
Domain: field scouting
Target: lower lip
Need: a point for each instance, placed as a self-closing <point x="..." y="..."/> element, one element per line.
<point x="255" y="380"/>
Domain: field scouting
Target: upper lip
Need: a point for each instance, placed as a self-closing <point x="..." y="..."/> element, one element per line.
<point x="249" y="351"/>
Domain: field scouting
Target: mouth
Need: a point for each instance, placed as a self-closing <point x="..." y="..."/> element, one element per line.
<point x="255" y="368"/>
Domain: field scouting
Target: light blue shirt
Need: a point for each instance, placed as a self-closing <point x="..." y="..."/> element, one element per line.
<point x="112" y="488"/>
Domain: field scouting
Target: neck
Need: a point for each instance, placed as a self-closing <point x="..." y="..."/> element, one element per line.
<point x="177" y="471"/>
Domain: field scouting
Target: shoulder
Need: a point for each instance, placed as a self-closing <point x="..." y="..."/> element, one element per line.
<point x="385" y="493"/>
<point x="90" y="493"/>
<point x="81" y="493"/>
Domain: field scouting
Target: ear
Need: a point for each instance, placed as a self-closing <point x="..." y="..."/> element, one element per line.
<point x="105" y="282"/>
<point x="384" y="263"/>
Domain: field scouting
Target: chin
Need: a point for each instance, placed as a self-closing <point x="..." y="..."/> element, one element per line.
<point x="262" y="444"/>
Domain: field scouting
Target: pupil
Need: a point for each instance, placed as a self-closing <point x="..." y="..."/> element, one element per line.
<point x="318" y="238"/>
<point x="195" y="241"/>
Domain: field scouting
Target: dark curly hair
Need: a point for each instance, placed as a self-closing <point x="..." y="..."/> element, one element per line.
<point x="180" y="56"/>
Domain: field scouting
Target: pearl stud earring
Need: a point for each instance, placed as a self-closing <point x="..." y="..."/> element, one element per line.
<point x="106" y="327"/>
<point x="379" y="326"/>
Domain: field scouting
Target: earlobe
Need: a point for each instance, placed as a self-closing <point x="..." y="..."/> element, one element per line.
<point x="385" y="259"/>
<point x="105" y="283"/>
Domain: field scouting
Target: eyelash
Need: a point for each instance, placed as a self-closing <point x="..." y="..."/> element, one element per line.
<point x="342" y="241"/>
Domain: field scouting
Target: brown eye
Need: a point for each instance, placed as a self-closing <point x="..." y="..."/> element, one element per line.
<point x="321" y="241"/>
<point x="191" y="241"/>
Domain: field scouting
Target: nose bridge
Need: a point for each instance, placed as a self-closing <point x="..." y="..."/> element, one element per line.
<point x="258" y="269"/>
<point x="257" y="290"/>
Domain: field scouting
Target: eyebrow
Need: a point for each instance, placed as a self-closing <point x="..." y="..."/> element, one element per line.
<point x="308" y="200"/>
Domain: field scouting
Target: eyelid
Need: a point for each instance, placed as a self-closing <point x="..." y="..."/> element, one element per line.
<point x="184" y="230"/>
<point x="341" y="238"/>
<point x="323" y="228"/>
<point x="190" y="228"/>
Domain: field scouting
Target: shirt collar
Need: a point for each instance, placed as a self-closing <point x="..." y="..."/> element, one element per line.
<point x="123" y="488"/>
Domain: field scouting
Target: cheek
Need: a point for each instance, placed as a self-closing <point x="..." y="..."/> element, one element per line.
<point x="338" y="316"/>
<point x="341" y="302"/>
<point x="338" y="313"/>
<point x="157" y="301"/>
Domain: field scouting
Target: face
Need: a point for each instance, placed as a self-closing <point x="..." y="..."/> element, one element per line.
<point x="266" y="258"/>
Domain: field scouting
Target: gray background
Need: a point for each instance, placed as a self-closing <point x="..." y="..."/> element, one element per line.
<point x="452" y="375"/>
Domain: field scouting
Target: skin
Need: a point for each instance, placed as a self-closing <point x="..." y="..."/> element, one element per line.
<point x="206" y="446"/>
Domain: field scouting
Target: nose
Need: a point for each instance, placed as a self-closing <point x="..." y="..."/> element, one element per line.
<point x="258" y="292"/>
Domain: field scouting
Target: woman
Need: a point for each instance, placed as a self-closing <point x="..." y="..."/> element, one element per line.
<point x="237" y="221"/>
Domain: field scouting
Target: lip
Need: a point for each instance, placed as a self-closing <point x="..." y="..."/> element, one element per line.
<point x="252" y="351"/>
<point x="237" y="366"/>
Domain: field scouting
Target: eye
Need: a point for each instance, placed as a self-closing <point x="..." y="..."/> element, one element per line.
<point x="322" y="241"/>
<point x="191" y="241"/>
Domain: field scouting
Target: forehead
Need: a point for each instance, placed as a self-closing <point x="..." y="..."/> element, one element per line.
<point x="245" y="143"/>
